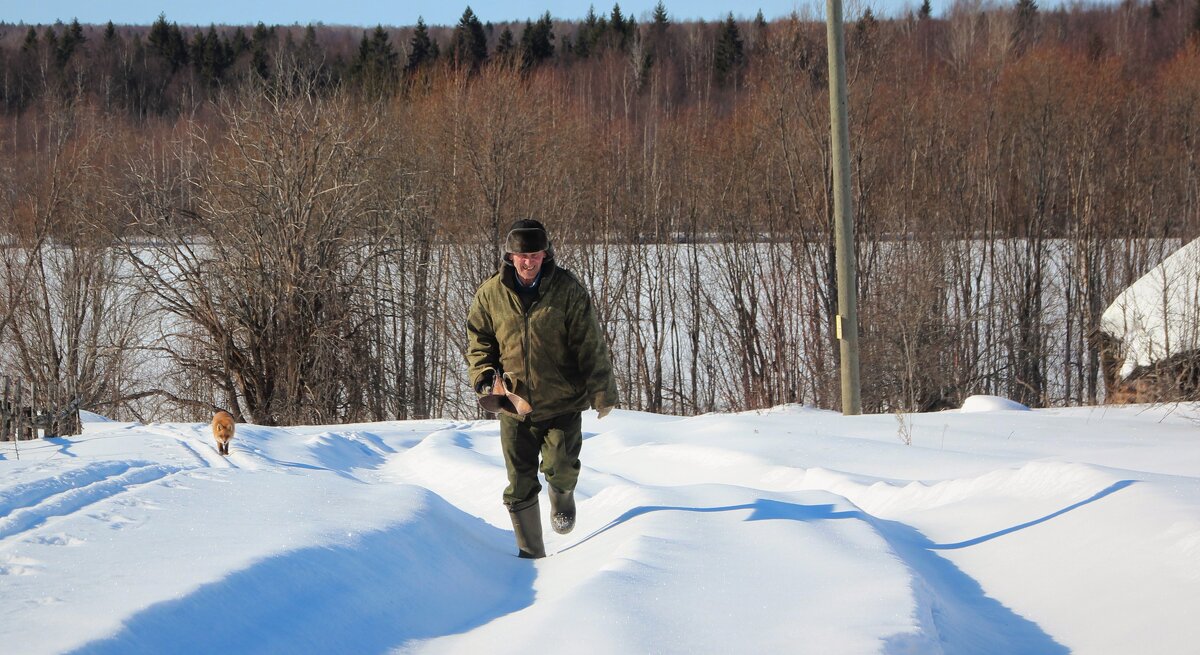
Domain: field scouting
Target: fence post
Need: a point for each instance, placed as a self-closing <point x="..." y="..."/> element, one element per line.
<point x="18" y="412"/>
<point x="70" y="423"/>
<point x="6" y="420"/>
<point x="24" y="416"/>
<point x="74" y="425"/>
<point x="32" y="427"/>
<point x="34" y="413"/>
<point x="47" y="418"/>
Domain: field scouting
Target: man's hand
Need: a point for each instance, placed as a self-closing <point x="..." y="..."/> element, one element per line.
<point x="603" y="411"/>
<point x="486" y="382"/>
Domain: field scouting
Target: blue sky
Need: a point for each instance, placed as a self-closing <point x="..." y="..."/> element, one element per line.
<point x="401" y="12"/>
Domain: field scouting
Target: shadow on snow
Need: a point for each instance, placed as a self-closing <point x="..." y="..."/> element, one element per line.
<point x="952" y="606"/>
<point x="441" y="573"/>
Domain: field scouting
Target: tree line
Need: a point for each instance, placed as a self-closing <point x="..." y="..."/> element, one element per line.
<point x="290" y="223"/>
<point x="163" y="69"/>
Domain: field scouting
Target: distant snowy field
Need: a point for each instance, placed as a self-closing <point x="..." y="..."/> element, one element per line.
<point x="793" y="530"/>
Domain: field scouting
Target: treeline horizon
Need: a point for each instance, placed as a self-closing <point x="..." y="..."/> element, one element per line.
<point x="164" y="69"/>
<point x="331" y="197"/>
<point x="376" y="61"/>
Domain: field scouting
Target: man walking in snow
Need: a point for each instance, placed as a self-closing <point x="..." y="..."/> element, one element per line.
<point x="536" y="355"/>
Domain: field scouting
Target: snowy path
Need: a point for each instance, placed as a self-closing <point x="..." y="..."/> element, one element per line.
<point x="786" y="531"/>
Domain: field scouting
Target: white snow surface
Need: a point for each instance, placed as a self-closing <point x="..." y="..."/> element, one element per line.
<point x="991" y="404"/>
<point x="1158" y="316"/>
<point x="792" y="530"/>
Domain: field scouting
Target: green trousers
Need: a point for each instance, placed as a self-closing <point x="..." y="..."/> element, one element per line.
<point x="556" y="441"/>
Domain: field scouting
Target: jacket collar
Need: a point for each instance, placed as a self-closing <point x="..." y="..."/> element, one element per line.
<point x="508" y="275"/>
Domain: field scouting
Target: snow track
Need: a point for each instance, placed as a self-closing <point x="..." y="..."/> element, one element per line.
<point x="28" y="506"/>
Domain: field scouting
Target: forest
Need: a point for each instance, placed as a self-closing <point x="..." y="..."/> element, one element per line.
<point x="289" y="222"/>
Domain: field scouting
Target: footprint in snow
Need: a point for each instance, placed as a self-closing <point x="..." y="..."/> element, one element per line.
<point x="115" y="521"/>
<point x="61" y="539"/>
<point x="17" y="565"/>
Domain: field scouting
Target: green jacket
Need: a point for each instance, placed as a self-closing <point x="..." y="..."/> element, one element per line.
<point x="554" y="351"/>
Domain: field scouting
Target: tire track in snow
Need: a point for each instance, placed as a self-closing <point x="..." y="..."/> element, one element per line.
<point x="28" y="506"/>
<point x="205" y="461"/>
<point x="195" y="443"/>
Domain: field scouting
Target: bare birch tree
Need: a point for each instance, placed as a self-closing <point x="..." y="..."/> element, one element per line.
<point x="259" y="248"/>
<point x="67" y="319"/>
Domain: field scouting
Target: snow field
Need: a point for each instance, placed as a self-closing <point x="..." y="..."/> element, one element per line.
<point x="792" y="530"/>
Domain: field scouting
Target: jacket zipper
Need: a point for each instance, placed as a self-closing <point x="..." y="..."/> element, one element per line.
<point x="528" y="348"/>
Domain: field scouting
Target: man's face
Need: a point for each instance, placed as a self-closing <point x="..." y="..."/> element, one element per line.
<point x="528" y="264"/>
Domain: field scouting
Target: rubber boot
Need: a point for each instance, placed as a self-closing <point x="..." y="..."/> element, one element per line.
<point x="527" y="527"/>
<point x="562" y="510"/>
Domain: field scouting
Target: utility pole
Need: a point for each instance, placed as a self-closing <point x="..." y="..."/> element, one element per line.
<point x="847" y="318"/>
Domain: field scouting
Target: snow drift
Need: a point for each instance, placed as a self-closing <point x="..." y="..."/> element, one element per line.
<point x="792" y="530"/>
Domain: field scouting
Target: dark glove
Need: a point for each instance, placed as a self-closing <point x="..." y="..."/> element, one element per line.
<point x="486" y="382"/>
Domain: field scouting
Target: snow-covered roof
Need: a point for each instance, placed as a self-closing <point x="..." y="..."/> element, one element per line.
<point x="1158" y="316"/>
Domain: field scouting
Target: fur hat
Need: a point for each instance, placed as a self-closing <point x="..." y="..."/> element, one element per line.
<point x="525" y="236"/>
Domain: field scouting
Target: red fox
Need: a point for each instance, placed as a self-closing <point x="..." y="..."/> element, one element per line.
<point x="222" y="427"/>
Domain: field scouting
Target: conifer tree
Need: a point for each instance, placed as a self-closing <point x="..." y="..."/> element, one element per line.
<point x="469" y="43"/>
<point x="238" y="43"/>
<point x="30" y="45"/>
<point x="72" y="38"/>
<point x="506" y="45"/>
<point x="50" y="38"/>
<point x="761" y="32"/>
<point x="1027" y="14"/>
<point x="659" y="23"/>
<point x="729" y="52"/>
<point x="376" y="64"/>
<point x="310" y="60"/>
<point x="616" y="19"/>
<point x="159" y="37"/>
<point x="209" y="56"/>
<point x="589" y="34"/>
<point x="166" y="41"/>
<point x="109" y="67"/>
<point x="1026" y="9"/>
<point x="420" y="47"/>
<point x="537" y="41"/>
<point x="621" y="27"/>
<point x="359" y="65"/>
<point x="260" y="42"/>
<point x="219" y="51"/>
<point x="864" y="29"/>
<point x="384" y="56"/>
<point x="659" y="18"/>
<point x="310" y="50"/>
<point x="138" y="48"/>
<point x="926" y="10"/>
